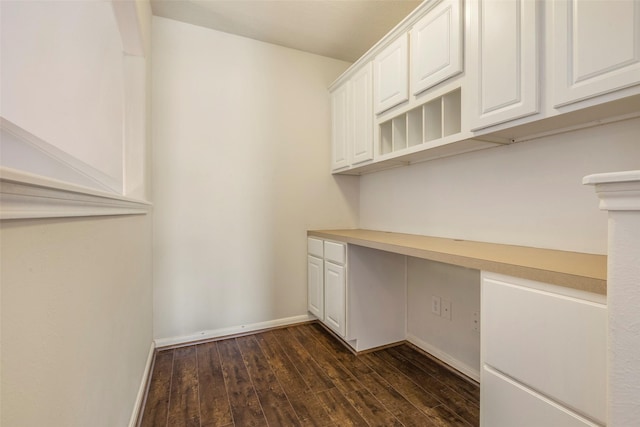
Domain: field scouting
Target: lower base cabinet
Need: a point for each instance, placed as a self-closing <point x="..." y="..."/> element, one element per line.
<point x="543" y="351"/>
<point x="358" y="293"/>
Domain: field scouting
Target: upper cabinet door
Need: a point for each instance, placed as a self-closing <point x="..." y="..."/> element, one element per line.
<point x="503" y="56"/>
<point x="340" y="127"/>
<point x="436" y="46"/>
<point x="391" y="75"/>
<point x="596" y="48"/>
<point x="362" y="110"/>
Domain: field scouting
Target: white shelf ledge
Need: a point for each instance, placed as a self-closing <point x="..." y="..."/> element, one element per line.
<point x="25" y="195"/>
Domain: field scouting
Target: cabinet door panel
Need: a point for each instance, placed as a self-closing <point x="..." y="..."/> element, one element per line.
<point x="315" y="286"/>
<point x="335" y="295"/>
<point x="362" y="110"/>
<point x="391" y="75"/>
<point x="505" y="403"/>
<point x="340" y="127"/>
<point x="597" y="48"/>
<point x="552" y="343"/>
<point x="504" y="60"/>
<point x="436" y="46"/>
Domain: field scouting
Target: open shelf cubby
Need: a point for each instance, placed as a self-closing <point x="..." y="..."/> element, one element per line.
<point x="436" y="119"/>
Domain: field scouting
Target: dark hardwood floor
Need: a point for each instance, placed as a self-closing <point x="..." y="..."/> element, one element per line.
<point x="303" y="376"/>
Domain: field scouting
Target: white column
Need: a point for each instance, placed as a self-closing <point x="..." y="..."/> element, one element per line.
<point x="619" y="194"/>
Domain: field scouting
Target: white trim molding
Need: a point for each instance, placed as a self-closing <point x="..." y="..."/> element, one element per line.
<point x="234" y="330"/>
<point x="619" y="194"/>
<point x="618" y="191"/>
<point x="469" y="371"/>
<point x="25" y="195"/>
<point x="138" y="405"/>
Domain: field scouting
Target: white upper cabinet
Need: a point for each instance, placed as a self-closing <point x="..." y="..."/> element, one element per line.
<point x="391" y="75"/>
<point x="362" y="115"/>
<point x="436" y="46"/>
<point x="596" y="48"/>
<point x="340" y="113"/>
<point x="504" y="61"/>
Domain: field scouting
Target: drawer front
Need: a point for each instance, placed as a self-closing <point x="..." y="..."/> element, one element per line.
<point x="335" y="252"/>
<point x="314" y="247"/>
<point x="506" y="403"/>
<point x="552" y="343"/>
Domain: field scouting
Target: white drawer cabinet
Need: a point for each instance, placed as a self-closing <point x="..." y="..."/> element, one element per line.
<point x="326" y="283"/>
<point x="506" y="403"/>
<point x="359" y="293"/>
<point x="545" y="338"/>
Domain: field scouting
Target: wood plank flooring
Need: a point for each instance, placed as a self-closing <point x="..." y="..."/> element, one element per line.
<point x="303" y="376"/>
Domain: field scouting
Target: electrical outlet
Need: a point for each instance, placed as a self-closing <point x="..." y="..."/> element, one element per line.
<point x="445" y="308"/>
<point x="435" y="305"/>
<point x="476" y="322"/>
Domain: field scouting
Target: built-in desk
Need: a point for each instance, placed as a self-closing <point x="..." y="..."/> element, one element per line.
<point x="575" y="270"/>
<point x="542" y="314"/>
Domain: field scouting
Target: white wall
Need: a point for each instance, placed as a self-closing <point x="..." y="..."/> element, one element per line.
<point x="62" y="78"/>
<point x="241" y="170"/>
<point x="528" y="193"/>
<point x="452" y="340"/>
<point x="76" y="319"/>
<point x="76" y="306"/>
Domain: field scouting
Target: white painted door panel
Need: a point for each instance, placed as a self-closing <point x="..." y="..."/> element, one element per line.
<point x="503" y="61"/>
<point x="597" y="48"/>
<point x="340" y="127"/>
<point x="436" y="46"/>
<point x="505" y="403"/>
<point x="335" y="252"/>
<point x="315" y="286"/>
<point x="552" y="343"/>
<point x="335" y="296"/>
<point x="362" y="114"/>
<point x="391" y="75"/>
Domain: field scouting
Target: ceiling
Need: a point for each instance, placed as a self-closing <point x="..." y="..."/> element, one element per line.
<point x="341" y="29"/>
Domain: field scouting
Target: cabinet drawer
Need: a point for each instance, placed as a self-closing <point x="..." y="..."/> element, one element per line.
<point x="334" y="252"/>
<point x="552" y="343"/>
<point x="314" y="247"/>
<point x="506" y="403"/>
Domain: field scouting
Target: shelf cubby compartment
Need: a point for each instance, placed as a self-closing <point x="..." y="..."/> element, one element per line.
<point x="400" y="132"/>
<point x="451" y="113"/>
<point x="432" y="120"/>
<point x="386" y="138"/>
<point x="414" y="127"/>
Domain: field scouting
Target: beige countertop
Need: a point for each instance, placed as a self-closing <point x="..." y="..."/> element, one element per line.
<point x="575" y="270"/>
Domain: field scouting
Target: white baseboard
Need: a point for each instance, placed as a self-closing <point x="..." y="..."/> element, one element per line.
<point x="234" y="330"/>
<point x="137" y="407"/>
<point x="446" y="358"/>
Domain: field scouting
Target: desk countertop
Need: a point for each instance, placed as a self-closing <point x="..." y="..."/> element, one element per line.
<point x="575" y="270"/>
